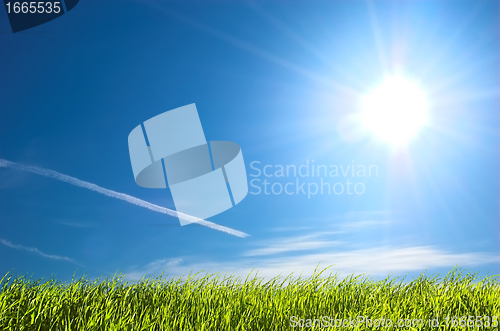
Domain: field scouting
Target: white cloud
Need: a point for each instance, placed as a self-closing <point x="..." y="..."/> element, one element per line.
<point x="377" y="261"/>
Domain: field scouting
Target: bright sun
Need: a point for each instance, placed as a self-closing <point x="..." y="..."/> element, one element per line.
<point x="395" y="111"/>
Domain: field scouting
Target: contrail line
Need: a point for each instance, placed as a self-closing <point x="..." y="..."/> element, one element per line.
<point x="117" y="195"/>
<point x="37" y="251"/>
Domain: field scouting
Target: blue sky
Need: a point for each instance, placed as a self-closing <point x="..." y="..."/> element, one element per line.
<point x="282" y="79"/>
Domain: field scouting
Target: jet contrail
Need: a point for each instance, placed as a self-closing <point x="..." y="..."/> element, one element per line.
<point x="37" y="251"/>
<point x="117" y="195"/>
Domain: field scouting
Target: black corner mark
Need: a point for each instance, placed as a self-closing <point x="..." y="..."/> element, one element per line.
<point x="28" y="14"/>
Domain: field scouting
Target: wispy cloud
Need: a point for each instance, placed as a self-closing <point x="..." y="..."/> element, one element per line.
<point x="351" y="226"/>
<point x="345" y="222"/>
<point x="154" y="268"/>
<point x="117" y="195"/>
<point x="305" y="252"/>
<point x="290" y="228"/>
<point x="293" y="244"/>
<point x="36" y="251"/>
<point x="376" y="261"/>
<point x="336" y="224"/>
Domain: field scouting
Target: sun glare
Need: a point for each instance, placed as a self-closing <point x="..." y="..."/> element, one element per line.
<point x="395" y="111"/>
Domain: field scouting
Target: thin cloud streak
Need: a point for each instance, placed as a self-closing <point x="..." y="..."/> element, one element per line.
<point x="117" y="195"/>
<point x="356" y="225"/>
<point x="294" y="244"/>
<point x="37" y="251"/>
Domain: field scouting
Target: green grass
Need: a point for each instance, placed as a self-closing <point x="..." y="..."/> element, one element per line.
<point x="219" y="302"/>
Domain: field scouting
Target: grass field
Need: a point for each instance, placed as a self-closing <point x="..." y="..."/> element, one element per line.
<point x="220" y="302"/>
